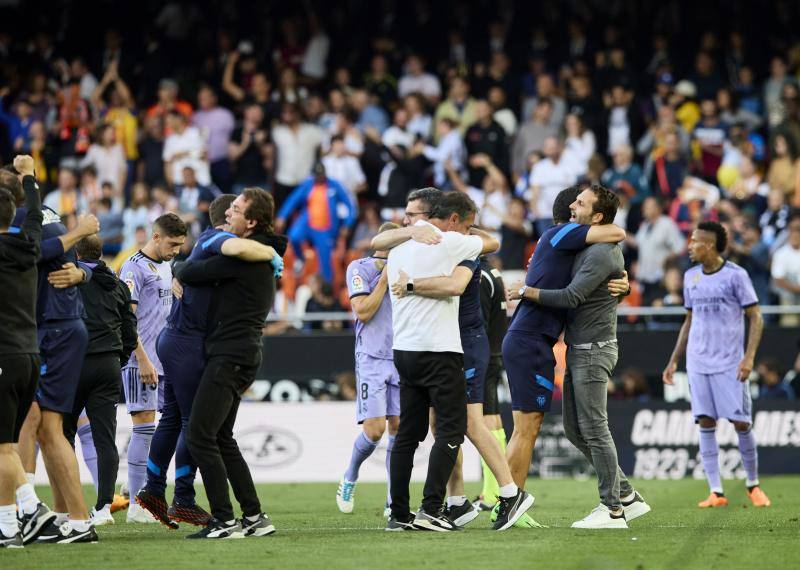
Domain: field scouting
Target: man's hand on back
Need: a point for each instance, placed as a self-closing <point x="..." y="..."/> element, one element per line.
<point x="399" y="286"/>
<point x="425" y="234"/>
<point x="619" y="287"/>
<point x="69" y="276"/>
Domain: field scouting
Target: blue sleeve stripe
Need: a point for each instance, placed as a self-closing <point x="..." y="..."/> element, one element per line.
<point x="562" y="232"/>
<point x="214" y="238"/>
<point x="544" y="383"/>
<point x="469" y="373"/>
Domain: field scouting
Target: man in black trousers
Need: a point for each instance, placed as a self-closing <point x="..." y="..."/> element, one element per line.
<point x="239" y="308"/>
<point x="112" y="337"/>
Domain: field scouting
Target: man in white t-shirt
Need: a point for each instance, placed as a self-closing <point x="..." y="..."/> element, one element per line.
<point x="549" y="177"/>
<point x="786" y="271"/>
<point x="429" y="358"/>
<point x="184" y="147"/>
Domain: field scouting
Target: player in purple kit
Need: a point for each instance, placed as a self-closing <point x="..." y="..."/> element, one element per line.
<point x="717" y="295"/>
<point x="148" y="275"/>
<point x="377" y="381"/>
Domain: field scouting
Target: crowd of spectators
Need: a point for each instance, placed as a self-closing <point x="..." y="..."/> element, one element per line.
<point x="362" y="105"/>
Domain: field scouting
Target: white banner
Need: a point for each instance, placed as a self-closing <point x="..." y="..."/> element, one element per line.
<point x="293" y="443"/>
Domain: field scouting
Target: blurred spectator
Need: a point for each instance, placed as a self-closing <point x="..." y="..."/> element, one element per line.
<point x="458" y="107"/>
<point x="549" y="177"/>
<point x="773" y="88"/>
<point x="752" y="255"/>
<point x="491" y="197"/>
<point x="626" y="176"/>
<point x="163" y="201"/>
<point x="450" y="149"/>
<point x="107" y="156"/>
<point x="380" y="82"/>
<point x="516" y="232"/>
<point x="367" y="228"/>
<point x="296" y="144"/>
<point x="345" y="168"/>
<point x="631" y="385"/>
<point x="775" y="218"/>
<point x="168" y="102"/>
<point x="288" y="89"/>
<point x="786" y="272"/>
<point x="710" y="134"/>
<point x="672" y="285"/>
<point x="250" y="151"/>
<point x="316" y="202"/>
<point x="687" y="111"/>
<point x="215" y="124"/>
<point x="194" y="201"/>
<point x="772" y="383"/>
<point x="322" y="301"/>
<point x="732" y="113"/>
<point x="183" y="147"/>
<point x="532" y="135"/>
<point x="73" y="122"/>
<point x="136" y="214"/>
<point x="705" y="77"/>
<point x="657" y="241"/>
<point x="624" y="124"/>
<point x="398" y="136"/>
<point x="417" y="80"/>
<point x="90" y="188"/>
<point x="546" y="90"/>
<point x="17" y="122"/>
<point x="749" y="192"/>
<point x="139" y="237"/>
<point x="43" y="154"/>
<point x="579" y="141"/>
<point x="419" y="121"/>
<point x="257" y="93"/>
<point x="669" y="169"/>
<point x="66" y="200"/>
<point x="485" y="137"/>
<point x="503" y="114"/>
<point x="111" y="226"/>
<point x="313" y="65"/>
<point x="783" y="168"/>
<point x="151" y="151"/>
<point x="371" y="119"/>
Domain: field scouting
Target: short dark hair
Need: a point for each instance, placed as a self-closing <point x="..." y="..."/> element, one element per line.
<point x="260" y="208"/>
<point x="429" y="195"/>
<point x="8" y="208"/>
<point x="170" y="225"/>
<point x="9" y="181"/>
<point x="454" y="203"/>
<point x="565" y="198"/>
<point x="90" y="247"/>
<point x="217" y="209"/>
<point x="606" y="204"/>
<point x="719" y="232"/>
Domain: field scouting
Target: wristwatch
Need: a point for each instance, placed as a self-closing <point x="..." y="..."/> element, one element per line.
<point x="410" y="286"/>
<point x="522" y="291"/>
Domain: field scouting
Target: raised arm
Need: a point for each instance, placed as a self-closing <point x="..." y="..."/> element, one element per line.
<point x="435" y="287"/>
<point x="679" y="350"/>
<point x="32" y="224"/>
<point x="606" y="233"/>
<point x="247" y="250"/>
<point x="207" y="270"/>
<point x="385" y="241"/>
<point x="490" y="243"/>
<point x="55" y="246"/>
<point x="236" y="92"/>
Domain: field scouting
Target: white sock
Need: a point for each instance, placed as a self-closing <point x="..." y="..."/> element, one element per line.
<point x="508" y="491"/>
<point x="80" y="525"/>
<point x="230" y="522"/>
<point x="750" y="484"/>
<point x="61" y="518"/>
<point x="629" y="498"/>
<point x="31" y="477"/>
<point x="9" y="525"/>
<point x="253" y="518"/>
<point x="456" y="501"/>
<point x="27" y="499"/>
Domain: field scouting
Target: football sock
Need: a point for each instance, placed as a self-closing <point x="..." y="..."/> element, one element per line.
<point x="31" y="477"/>
<point x="749" y="452"/>
<point x="26" y="499"/>
<point x="709" y="452"/>
<point x="491" y="489"/>
<point x="362" y="448"/>
<point x="138" y="450"/>
<point x="185" y="471"/>
<point x="507" y="491"/>
<point x="456" y="501"/>
<point x="61" y="518"/>
<point x="88" y="451"/>
<point x="8" y="520"/>
<point x="80" y="525"/>
<point x="389" y="447"/>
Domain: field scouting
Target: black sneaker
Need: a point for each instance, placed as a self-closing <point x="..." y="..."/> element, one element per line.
<point x="157" y="506"/>
<point x="192" y="514"/>
<point x="511" y="509"/>
<point x="464" y="514"/>
<point x="218" y="529"/>
<point x="33" y="524"/>
<point x="260" y="527"/>
<point x="400" y="524"/>
<point x="10" y="541"/>
<point x="66" y="534"/>
<point x="483" y="504"/>
<point x="437" y="521"/>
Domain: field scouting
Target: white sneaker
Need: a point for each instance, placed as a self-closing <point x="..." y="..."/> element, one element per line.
<point x="345" y="496"/>
<point x="635" y="508"/>
<point x="102" y="517"/>
<point x="137" y="514"/>
<point x="601" y="517"/>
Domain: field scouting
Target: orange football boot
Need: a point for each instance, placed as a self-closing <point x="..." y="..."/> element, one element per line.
<point x="714" y="500"/>
<point x="120" y="503"/>
<point x="758" y="497"/>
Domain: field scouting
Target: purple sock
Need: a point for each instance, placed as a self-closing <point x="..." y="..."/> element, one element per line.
<point x="88" y="450"/>
<point x="709" y="451"/>
<point x="749" y="452"/>
<point x="138" y="450"/>
<point x="389" y="447"/>
<point x="362" y="448"/>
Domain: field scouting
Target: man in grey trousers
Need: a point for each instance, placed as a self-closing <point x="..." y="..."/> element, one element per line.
<point x="591" y="337"/>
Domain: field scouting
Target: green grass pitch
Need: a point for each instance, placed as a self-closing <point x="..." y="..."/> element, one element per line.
<point x="313" y="534"/>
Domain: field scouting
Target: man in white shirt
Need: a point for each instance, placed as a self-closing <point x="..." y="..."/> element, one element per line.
<point x="786" y="272"/>
<point x="344" y="167"/>
<point x="450" y="149"/>
<point x="429" y="358"/>
<point x="417" y="80"/>
<point x="184" y="147"/>
<point x="297" y="144"/>
<point x="549" y="177"/>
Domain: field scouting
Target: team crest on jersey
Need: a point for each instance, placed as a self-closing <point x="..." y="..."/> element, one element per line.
<point x="541" y="400"/>
<point x="356" y="283"/>
<point x="152" y="267"/>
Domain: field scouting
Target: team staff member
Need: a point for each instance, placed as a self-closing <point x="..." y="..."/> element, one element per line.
<point x="430" y="368"/>
<point x="180" y="349"/>
<point x="240" y="306"/>
<point x="19" y="356"/>
<point x="111" y="325"/>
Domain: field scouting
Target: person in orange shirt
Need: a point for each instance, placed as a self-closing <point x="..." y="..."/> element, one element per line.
<point x="168" y="101"/>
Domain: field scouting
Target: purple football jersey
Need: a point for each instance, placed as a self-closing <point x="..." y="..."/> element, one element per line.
<point x="150" y="283"/>
<point x="375" y="337"/>
<point x="717" y="302"/>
